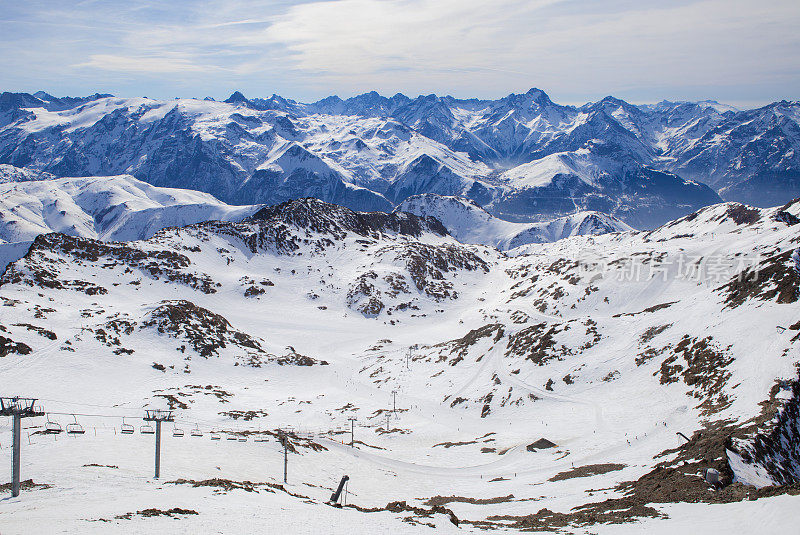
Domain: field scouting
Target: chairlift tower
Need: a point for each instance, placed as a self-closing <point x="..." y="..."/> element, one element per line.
<point x="18" y="408"/>
<point x="284" y="440"/>
<point x="158" y="416"/>
<point x="410" y="355"/>
<point x="352" y="427"/>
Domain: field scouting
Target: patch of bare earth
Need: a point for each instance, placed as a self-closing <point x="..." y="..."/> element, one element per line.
<point x="587" y="471"/>
<point x="28" y="484"/>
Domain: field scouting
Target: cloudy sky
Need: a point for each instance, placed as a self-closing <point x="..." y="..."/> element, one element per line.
<point x="744" y="52"/>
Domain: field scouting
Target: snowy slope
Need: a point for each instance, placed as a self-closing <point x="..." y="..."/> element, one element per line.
<point x="592" y="179"/>
<point x="294" y="172"/>
<point x="116" y="208"/>
<point x="469" y="223"/>
<point x="9" y="173"/>
<point x="309" y="314"/>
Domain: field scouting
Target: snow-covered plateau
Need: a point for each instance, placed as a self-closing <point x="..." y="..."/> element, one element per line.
<point x="592" y="384"/>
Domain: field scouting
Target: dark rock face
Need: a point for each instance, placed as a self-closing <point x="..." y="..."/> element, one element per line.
<point x="751" y="145"/>
<point x="776" y="447"/>
<point x="316" y="216"/>
<point x="428" y="264"/>
<point x="426" y="175"/>
<point x="204" y="330"/>
<point x="9" y="346"/>
<point x="41" y="267"/>
<point x="773" y="279"/>
<point x="304" y="174"/>
<point x="284" y="228"/>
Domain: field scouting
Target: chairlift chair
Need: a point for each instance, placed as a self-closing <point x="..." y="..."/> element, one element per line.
<point x="75" y="428"/>
<point x="242" y="439"/>
<point x="126" y="429"/>
<point x="215" y="435"/>
<point x="51" y="427"/>
<point x="196" y="432"/>
<point x="261" y="438"/>
<point x="231" y="437"/>
<point x="147" y="429"/>
<point x="177" y="432"/>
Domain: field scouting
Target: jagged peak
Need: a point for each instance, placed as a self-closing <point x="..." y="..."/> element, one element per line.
<point x="424" y="161"/>
<point x="18" y="99"/>
<point x="330" y="99"/>
<point x="538" y="96"/>
<point x="370" y="96"/>
<point x="614" y="101"/>
<point x="537" y="93"/>
<point x="42" y="95"/>
<point x="296" y="150"/>
<point x="235" y="98"/>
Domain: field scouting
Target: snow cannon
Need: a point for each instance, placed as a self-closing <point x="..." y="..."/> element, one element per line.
<point x="336" y="495"/>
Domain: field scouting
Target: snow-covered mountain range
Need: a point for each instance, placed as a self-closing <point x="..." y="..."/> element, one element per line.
<point x="521" y="157"/>
<point x="123" y="208"/>
<point x="542" y="390"/>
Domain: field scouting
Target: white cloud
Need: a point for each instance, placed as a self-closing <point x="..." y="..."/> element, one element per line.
<point x="494" y="44"/>
<point x="144" y="64"/>
<point x="573" y="48"/>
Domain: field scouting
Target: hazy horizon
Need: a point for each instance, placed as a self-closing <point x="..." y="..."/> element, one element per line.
<point x="738" y="52"/>
<point x="222" y="97"/>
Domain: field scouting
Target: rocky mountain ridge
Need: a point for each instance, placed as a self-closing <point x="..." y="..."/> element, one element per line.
<point x="522" y="157"/>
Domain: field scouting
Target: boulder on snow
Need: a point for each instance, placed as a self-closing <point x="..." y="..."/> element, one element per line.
<point x="541" y="444"/>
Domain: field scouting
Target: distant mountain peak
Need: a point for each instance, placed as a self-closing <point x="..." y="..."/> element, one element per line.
<point x="236" y="98"/>
<point x="539" y="96"/>
<point x="43" y="95"/>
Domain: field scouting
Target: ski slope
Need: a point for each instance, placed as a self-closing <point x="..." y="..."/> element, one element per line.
<point x="487" y="353"/>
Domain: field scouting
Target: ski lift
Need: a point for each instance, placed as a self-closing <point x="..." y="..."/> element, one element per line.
<point x="215" y="435"/>
<point x="196" y="432"/>
<point x="242" y="439"/>
<point x="51" y="427"/>
<point x="146" y="429"/>
<point x="231" y="437"/>
<point x="75" y="428"/>
<point x="261" y="438"/>
<point x="126" y="429"/>
<point x="177" y="432"/>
